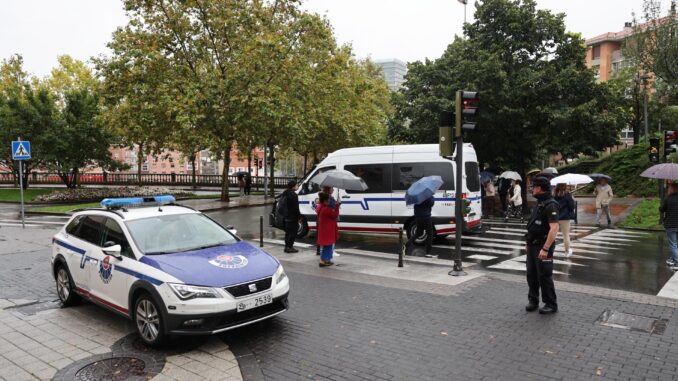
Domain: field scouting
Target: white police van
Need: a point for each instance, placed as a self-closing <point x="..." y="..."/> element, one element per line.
<point x="169" y="268"/>
<point x="388" y="172"/>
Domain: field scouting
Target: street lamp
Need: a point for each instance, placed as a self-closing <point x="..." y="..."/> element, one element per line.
<point x="464" y="2"/>
<point x="644" y="78"/>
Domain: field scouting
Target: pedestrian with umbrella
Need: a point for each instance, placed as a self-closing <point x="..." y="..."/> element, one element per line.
<point x="565" y="213"/>
<point x="504" y="186"/>
<point x="327" y="209"/>
<point x="603" y="193"/>
<point x="669" y="207"/>
<point x="421" y="195"/>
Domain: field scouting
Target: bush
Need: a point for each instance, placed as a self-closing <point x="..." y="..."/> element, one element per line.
<point x="96" y="194"/>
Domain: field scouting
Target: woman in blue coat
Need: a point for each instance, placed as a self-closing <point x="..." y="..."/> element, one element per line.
<point x="566" y="213"/>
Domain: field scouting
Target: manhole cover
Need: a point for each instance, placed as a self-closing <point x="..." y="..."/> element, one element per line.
<point x="112" y="369"/>
<point x="618" y="319"/>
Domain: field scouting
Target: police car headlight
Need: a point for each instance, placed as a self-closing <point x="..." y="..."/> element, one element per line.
<point x="185" y="292"/>
<point x="279" y="275"/>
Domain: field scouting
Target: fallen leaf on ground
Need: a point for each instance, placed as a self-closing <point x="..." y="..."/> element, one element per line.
<point x="599" y="371"/>
<point x="443" y="333"/>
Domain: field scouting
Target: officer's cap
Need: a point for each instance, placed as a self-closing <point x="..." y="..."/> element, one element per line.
<point x="543" y="182"/>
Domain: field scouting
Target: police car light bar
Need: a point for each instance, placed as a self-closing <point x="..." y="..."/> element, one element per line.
<point x="135" y="201"/>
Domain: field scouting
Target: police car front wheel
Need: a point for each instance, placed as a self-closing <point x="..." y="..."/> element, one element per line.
<point x="65" y="287"/>
<point x="148" y="321"/>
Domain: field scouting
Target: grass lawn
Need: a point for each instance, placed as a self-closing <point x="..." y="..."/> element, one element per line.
<point x="64" y="208"/>
<point x="12" y="194"/>
<point x="645" y="215"/>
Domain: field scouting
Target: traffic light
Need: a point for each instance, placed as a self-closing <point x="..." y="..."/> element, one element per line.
<point x="654" y="150"/>
<point x="466" y="111"/>
<point x="670" y="138"/>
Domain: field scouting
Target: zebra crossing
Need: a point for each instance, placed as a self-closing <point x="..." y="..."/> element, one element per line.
<point x="502" y="246"/>
<point x="34" y="221"/>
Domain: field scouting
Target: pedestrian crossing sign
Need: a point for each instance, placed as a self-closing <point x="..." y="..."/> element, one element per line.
<point x="21" y="150"/>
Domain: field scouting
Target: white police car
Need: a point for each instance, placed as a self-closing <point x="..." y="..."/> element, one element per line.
<point x="169" y="268"/>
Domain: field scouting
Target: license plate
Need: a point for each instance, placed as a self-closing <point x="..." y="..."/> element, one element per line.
<point x="254" y="302"/>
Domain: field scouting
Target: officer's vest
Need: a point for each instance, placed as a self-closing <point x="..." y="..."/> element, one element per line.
<point x="540" y="229"/>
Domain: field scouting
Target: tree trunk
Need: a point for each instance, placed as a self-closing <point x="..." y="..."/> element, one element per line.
<point x="249" y="162"/>
<point x="271" y="157"/>
<point x="140" y="155"/>
<point x="76" y="177"/>
<point x="224" y="174"/>
<point x="305" y="162"/>
<point x="193" y="180"/>
<point x="636" y="135"/>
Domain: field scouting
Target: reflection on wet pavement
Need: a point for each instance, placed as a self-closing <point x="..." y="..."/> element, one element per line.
<point x="614" y="258"/>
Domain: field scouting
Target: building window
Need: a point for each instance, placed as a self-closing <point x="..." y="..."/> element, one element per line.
<point x="596" y="52"/>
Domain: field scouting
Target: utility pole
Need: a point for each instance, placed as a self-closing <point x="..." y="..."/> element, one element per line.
<point x="644" y="78"/>
<point x="464" y="2"/>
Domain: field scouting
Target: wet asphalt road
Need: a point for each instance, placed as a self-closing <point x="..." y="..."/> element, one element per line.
<point x="612" y="258"/>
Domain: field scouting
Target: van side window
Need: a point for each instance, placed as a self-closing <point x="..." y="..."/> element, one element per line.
<point x="406" y="174"/>
<point x="311" y="187"/>
<point x="377" y="177"/>
<point x="472" y="176"/>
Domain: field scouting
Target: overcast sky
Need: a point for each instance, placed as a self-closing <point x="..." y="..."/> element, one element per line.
<point x="409" y="30"/>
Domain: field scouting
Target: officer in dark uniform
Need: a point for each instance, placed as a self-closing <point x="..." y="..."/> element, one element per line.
<point x="541" y="236"/>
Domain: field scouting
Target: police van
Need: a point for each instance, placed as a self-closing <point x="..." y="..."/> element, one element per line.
<point x="169" y="268"/>
<point x="389" y="171"/>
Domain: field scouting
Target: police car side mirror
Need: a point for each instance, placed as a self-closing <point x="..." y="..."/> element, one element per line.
<point x="113" y="251"/>
<point x="231" y="229"/>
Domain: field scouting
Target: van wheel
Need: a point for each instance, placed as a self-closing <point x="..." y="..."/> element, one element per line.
<point x="411" y="230"/>
<point x="302" y="231"/>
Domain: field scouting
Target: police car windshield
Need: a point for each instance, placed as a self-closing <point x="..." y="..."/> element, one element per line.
<point x="177" y="232"/>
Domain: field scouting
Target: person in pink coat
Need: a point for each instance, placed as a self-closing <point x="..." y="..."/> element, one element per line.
<point x="328" y="230"/>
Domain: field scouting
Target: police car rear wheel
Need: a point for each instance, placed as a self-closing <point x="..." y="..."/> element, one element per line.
<point x="148" y="321"/>
<point x="65" y="287"/>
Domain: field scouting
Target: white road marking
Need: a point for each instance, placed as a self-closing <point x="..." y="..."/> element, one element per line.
<point x="578" y="244"/>
<point x="523" y="258"/>
<point x="609" y="238"/>
<point x="670" y="289"/>
<point x="19" y="224"/>
<point x="504" y="233"/>
<point x="592" y="240"/>
<point x="516" y="266"/>
<point x="476" y="250"/>
<point x="282" y="242"/>
<point x="32" y="222"/>
<point x="482" y="257"/>
<point x="618" y="232"/>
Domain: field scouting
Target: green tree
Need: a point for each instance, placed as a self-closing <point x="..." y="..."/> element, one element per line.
<point x="26" y="112"/>
<point x="537" y="95"/>
<point x="81" y="141"/>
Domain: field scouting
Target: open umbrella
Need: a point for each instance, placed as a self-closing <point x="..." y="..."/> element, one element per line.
<point x="341" y="179"/>
<point x="664" y="171"/>
<point x="422" y="189"/>
<point x="511" y="175"/>
<point x="597" y="176"/>
<point x="550" y="170"/>
<point x="533" y="171"/>
<point x="486" y="176"/>
<point x="571" y="179"/>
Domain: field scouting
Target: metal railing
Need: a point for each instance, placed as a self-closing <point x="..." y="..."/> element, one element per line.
<point x="171" y="179"/>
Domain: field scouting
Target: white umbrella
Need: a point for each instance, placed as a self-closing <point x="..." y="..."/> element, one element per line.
<point x="571" y="179"/>
<point x="341" y="179"/>
<point x="550" y="170"/>
<point x="511" y="175"/>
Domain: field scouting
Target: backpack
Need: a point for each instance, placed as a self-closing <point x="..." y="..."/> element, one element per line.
<point x="280" y="211"/>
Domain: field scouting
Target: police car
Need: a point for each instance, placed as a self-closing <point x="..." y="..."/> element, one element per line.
<point x="169" y="268"/>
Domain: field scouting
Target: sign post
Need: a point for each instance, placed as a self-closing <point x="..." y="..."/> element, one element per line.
<point x="21" y="151"/>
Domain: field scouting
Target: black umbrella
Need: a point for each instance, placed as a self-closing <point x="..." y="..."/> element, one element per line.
<point x="597" y="176"/>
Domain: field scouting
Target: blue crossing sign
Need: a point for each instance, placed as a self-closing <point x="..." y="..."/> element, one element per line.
<point x="21" y="150"/>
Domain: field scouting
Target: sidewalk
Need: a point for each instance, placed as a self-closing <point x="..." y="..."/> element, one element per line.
<point x="210" y="204"/>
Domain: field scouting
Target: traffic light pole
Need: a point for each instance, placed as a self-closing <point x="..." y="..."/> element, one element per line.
<point x="457" y="269"/>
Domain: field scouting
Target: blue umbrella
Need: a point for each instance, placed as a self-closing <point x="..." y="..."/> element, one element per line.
<point x="423" y="189"/>
<point x="486" y="176"/>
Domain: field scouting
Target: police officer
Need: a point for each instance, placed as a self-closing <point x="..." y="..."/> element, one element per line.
<point x="292" y="215"/>
<point x="541" y="236"/>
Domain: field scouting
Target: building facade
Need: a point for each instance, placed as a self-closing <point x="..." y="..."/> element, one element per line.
<point x="394" y="71"/>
